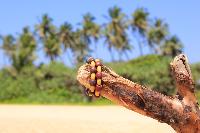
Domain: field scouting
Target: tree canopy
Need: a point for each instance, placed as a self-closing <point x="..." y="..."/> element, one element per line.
<point x="118" y="32"/>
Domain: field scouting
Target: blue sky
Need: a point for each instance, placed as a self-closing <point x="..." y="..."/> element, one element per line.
<point x="183" y="18"/>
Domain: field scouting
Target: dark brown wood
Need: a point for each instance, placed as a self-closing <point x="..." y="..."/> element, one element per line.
<point x="181" y="113"/>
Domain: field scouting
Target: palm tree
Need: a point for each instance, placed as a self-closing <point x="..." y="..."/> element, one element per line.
<point x="45" y="26"/>
<point x="8" y="45"/>
<point x="25" y="49"/>
<point x="80" y="48"/>
<point x="90" y="28"/>
<point x="21" y="50"/>
<point x="52" y="46"/>
<point x="115" y="32"/>
<point x="76" y="41"/>
<point x="172" y="46"/>
<point x="49" y="37"/>
<point x="139" y="25"/>
<point x="66" y="37"/>
<point x="157" y="34"/>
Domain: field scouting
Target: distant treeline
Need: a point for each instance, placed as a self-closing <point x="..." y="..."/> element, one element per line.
<point x="55" y="83"/>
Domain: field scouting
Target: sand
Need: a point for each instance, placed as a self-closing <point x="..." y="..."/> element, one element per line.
<point x="76" y="119"/>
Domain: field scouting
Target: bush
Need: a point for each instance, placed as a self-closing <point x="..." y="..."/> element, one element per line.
<point x="151" y="70"/>
<point x="196" y="75"/>
<point x="55" y="83"/>
<point x="12" y="88"/>
<point x="52" y="83"/>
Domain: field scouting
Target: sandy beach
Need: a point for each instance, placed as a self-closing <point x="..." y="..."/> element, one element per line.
<point x="76" y="119"/>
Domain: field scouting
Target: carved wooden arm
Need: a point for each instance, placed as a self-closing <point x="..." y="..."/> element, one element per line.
<point x="181" y="113"/>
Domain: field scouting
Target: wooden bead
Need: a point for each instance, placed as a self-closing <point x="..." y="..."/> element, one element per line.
<point x="92" y="76"/>
<point x="97" y="60"/>
<point x="99" y="75"/>
<point x="89" y="60"/>
<point x="92" y="88"/>
<point x="99" y="69"/>
<point x="98" y="81"/>
<point x="97" y="93"/>
<point x="98" y="63"/>
<point x="92" y="64"/>
<point x="98" y="88"/>
<point x="92" y="82"/>
<point x="93" y="70"/>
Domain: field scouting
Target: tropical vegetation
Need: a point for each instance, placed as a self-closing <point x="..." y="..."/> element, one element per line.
<point x="53" y="81"/>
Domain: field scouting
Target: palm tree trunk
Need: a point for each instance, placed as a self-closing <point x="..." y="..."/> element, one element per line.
<point x="140" y="48"/>
<point x="111" y="54"/>
<point x="4" y="60"/>
<point x="51" y="58"/>
<point x="69" y="58"/>
<point x="120" y="55"/>
<point x="139" y="44"/>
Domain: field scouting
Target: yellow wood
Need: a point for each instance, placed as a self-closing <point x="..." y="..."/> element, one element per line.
<point x="98" y="81"/>
<point x="92" y="64"/>
<point x="96" y="60"/>
<point x="97" y="93"/>
<point x="92" y="76"/>
<point x="99" y="69"/>
<point x="92" y="88"/>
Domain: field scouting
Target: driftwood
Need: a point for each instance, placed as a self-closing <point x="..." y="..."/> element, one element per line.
<point x="181" y="112"/>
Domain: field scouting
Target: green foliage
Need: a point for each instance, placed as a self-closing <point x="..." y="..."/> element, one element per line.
<point x="140" y="20"/>
<point x="49" y="38"/>
<point x="21" y="51"/>
<point x="12" y="88"/>
<point x="196" y="75"/>
<point x="172" y="46"/>
<point x="152" y="71"/>
<point x="115" y="31"/>
<point x="56" y="84"/>
<point x="157" y="34"/>
<point x="53" y="83"/>
<point x="90" y="28"/>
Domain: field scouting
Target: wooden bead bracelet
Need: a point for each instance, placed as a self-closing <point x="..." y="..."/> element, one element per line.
<point x="95" y="77"/>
